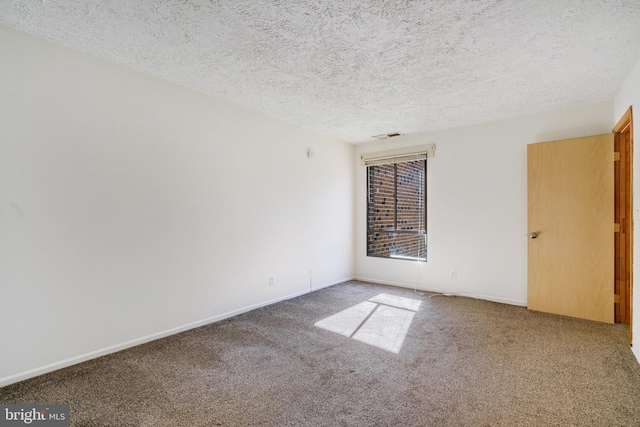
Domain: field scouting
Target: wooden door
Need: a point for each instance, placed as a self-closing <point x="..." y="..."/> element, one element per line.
<point x="571" y="216"/>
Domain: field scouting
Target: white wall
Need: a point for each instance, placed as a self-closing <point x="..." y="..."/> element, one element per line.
<point x="629" y="95"/>
<point x="131" y="208"/>
<point x="477" y="204"/>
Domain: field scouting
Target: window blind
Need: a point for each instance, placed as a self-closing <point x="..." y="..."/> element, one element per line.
<point x="401" y="155"/>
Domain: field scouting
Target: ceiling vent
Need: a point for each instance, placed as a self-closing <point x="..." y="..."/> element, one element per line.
<point x="387" y="135"/>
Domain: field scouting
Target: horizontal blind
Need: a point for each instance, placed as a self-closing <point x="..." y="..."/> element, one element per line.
<point x="401" y="155"/>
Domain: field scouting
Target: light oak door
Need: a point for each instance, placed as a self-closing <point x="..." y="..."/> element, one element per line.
<point x="571" y="227"/>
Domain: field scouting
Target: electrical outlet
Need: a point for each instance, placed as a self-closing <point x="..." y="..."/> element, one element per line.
<point x="272" y="280"/>
<point x="453" y="274"/>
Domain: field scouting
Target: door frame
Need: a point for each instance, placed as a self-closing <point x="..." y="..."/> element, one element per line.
<point x="624" y="258"/>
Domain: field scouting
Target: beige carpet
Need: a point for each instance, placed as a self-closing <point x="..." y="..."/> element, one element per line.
<point x="463" y="362"/>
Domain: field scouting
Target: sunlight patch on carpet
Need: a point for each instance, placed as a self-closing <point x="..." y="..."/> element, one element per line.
<point x="394" y="301"/>
<point x="383" y="321"/>
<point x="347" y="321"/>
<point x="386" y="328"/>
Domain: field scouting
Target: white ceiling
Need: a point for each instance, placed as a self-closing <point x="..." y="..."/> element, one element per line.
<point x="353" y="69"/>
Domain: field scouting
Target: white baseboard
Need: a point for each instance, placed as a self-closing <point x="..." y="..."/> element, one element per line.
<point x="446" y="292"/>
<point x="326" y="285"/>
<point x="138" y="341"/>
<point x="636" y="352"/>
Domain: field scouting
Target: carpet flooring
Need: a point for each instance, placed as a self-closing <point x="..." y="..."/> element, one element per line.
<point x="463" y="362"/>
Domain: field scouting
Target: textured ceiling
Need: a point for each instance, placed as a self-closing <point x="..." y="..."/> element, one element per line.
<point x="353" y="69"/>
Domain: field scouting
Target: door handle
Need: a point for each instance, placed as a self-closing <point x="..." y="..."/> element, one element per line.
<point x="533" y="235"/>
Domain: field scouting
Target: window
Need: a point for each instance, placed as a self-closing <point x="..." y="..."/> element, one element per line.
<point x="397" y="208"/>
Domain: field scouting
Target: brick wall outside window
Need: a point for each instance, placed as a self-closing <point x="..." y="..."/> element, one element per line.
<point x="396" y="217"/>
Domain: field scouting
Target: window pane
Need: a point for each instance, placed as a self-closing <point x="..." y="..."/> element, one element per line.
<point x="397" y="245"/>
<point x="411" y="208"/>
<point x="396" y="216"/>
<point x="382" y="201"/>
